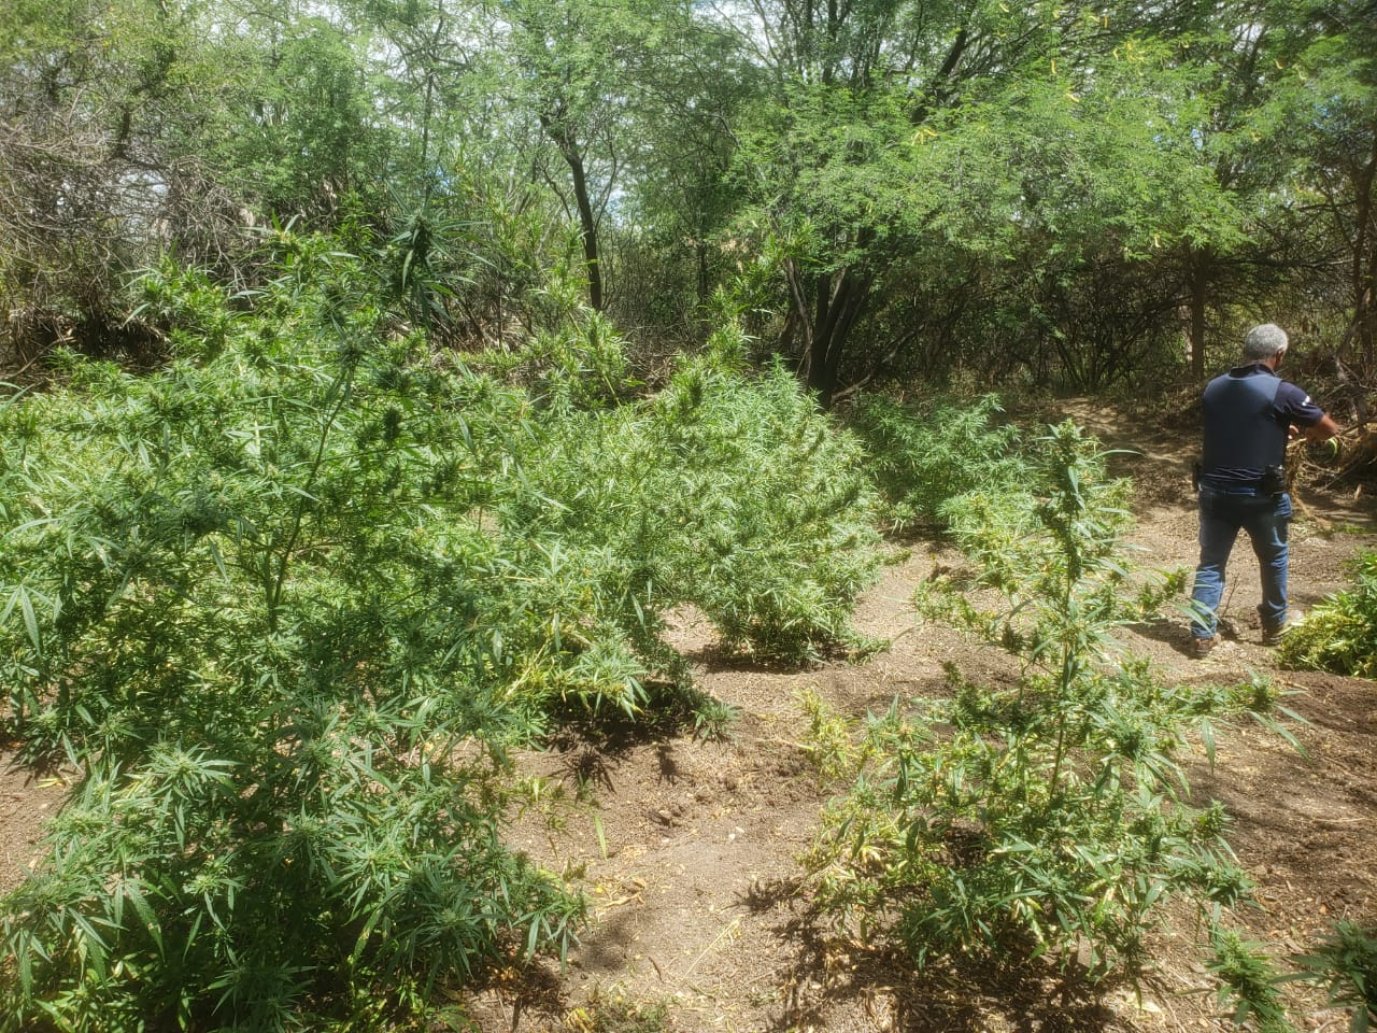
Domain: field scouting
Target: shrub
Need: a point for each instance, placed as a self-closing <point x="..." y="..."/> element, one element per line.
<point x="247" y="597"/>
<point x="581" y="364"/>
<point x="730" y="492"/>
<point x="286" y="604"/>
<point x="1052" y="815"/>
<point x="924" y="456"/>
<point x="1340" y="634"/>
<point x="1344" y="964"/>
<point x="782" y="504"/>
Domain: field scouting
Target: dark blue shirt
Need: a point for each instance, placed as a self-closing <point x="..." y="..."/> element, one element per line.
<point x="1248" y="414"/>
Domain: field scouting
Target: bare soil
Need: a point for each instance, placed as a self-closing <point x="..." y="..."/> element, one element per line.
<point x="688" y="849"/>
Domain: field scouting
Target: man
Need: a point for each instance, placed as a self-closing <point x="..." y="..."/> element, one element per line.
<point x="1250" y="412"/>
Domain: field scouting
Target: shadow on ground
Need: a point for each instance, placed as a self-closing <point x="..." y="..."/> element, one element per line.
<point x="1027" y="995"/>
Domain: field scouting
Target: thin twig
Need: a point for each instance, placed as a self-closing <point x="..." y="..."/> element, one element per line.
<point x="735" y="924"/>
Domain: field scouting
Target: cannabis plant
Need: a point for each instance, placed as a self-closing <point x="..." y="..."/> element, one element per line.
<point x="1345" y="965"/>
<point x="1052" y="816"/>
<point x="925" y="455"/>
<point x="725" y="490"/>
<point x="782" y="506"/>
<point x="248" y="601"/>
<point x="1248" y="982"/>
<point x="285" y="605"/>
<point x="613" y="1012"/>
<point x="1340" y="634"/>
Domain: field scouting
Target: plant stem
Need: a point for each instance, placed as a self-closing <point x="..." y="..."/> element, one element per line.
<point x="341" y="385"/>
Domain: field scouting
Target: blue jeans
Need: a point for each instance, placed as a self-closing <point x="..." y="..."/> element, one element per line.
<point x="1266" y="518"/>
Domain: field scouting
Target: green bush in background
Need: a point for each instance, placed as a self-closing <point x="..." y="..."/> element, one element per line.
<point x="923" y="456"/>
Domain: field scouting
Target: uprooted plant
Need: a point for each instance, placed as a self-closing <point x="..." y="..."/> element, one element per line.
<point x="1340" y="633"/>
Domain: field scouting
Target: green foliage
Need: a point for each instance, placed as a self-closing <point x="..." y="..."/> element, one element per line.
<point x="580" y="365"/>
<point x="309" y="873"/>
<point x="783" y="510"/>
<point x="1248" y="979"/>
<point x="1339" y="634"/>
<point x="1316" y="122"/>
<point x="924" y="456"/>
<point x="916" y="189"/>
<point x="286" y="603"/>
<point x="724" y="491"/>
<point x="248" y="598"/>
<point x="1053" y="815"/>
<point x="1345" y="964"/>
<point x="314" y="134"/>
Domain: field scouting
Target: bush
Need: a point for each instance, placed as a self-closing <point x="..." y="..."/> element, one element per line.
<point x="923" y="457"/>
<point x="247" y="597"/>
<point x="1050" y="816"/>
<point x="730" y="492"/>
<point x="1340" y="634"/>
<point x="287" y="603"/>
<point x="782" y="506"/>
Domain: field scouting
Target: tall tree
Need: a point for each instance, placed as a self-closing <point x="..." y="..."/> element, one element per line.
<point x="572" y="60"/>
<point x="1323" y="112"/>
<point x="833" y="158"/>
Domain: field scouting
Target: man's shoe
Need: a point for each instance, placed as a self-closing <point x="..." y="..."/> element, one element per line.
<point x="1202" y="647"/>
<point x="1273" y="636"/>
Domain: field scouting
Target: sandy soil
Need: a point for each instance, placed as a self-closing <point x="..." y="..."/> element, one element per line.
<point x="687" y="849"/>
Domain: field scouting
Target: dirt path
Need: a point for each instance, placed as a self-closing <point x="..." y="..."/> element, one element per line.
<point x="689" y="849"/>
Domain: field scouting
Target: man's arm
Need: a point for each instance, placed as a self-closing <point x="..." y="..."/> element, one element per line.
<point x="1305" y="417"/>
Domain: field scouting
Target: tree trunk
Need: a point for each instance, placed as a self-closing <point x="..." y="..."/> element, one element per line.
<point x="588" y="224"/>
<point x="841" y="299"/>
<point x="1199" y="274"/>
<point x="1365" y="263"/>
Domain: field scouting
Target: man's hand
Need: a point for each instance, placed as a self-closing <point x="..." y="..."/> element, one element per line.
<point x="1321" y="430"/>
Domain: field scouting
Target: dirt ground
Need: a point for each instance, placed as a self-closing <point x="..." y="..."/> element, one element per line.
<point x="687" y="849"/>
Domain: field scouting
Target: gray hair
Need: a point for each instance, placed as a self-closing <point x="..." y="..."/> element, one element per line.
<point x="1265" y="342"/>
